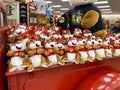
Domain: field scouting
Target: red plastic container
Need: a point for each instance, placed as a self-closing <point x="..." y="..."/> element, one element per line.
<point x="52" y="78"/>
<point x="67" y="77"/>
<point x="3" y="28"/>
<point x="3" y="84"/>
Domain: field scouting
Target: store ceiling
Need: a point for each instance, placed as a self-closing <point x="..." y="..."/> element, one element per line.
<point x="114" y="6"/>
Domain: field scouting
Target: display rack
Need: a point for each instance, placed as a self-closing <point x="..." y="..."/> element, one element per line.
<point x="38" y="19"/>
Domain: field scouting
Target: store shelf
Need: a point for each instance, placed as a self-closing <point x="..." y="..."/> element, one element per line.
<point x="38" y="19"/>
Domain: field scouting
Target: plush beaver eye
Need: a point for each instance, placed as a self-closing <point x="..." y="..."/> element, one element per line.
<point x="92" y="42"/>
<point x="83" y="41"/>
<point x="99" y="41"/>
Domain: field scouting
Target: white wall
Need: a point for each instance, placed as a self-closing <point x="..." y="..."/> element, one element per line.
<point x="112" y="18"/>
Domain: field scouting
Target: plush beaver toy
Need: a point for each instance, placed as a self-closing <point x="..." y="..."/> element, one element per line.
<point x="17" y="57"/>
<point x="34" y="51"/>
<point x="51" y="52"/>
<point x="84" y="15"/>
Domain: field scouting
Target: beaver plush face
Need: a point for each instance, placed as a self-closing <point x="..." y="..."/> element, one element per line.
<point x="38" y="32"/>
<point x="82" y="41"/>
<point x="57" y="36"/>
<point x="22" y="26"/>
<point x="87" y="33"/>
<point x="91" y="42"/>
<point x="117" y="35"/>
<point x="106" y="42"/>
<point x="66" y="34"/>
<point x="99" y="41"/>
<point x="16" y="47"/>
<point x="60" y="46"/>
<point x="73" y="42"/>
<point x="77" y="32"/>
<point x="35" y="44"/>
<point x="117" y="41"/>
<point x="20" y="30"/>
<point x="50" y="44"/>
<point x="81" y="2"/>
<point x="45" y="35"/>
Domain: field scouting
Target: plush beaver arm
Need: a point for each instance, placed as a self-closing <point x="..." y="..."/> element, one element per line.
<point x="90" y="19"/>
<point x="100" y="33"/>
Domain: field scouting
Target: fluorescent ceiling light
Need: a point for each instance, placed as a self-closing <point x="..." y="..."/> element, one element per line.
<point x="56" y="11"/>
<point x="101" y="2"/>
<point x="52" y="9"/>
<point x="105" y="9"/>
<point x="64" y="9"/>
<point x="107" y="12"/>
<point x="55" y="6"/>
<point x="103" y="6"/>
<point x="48" y="2"/>
<point x="61" y="13"/>
<point x="65" y="0"/>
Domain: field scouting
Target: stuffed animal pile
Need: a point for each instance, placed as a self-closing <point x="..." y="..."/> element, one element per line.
<point x="45" y="47"/>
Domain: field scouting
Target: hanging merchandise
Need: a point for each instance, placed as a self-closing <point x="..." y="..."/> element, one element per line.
<point x="40" y="6"/>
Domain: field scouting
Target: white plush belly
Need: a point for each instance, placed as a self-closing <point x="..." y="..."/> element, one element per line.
<point x="16" y="61"/>
<point x="36" y="60"/>
<point x="101" y="53"/>
<point x="53" y="59"/>
<point x="71" y="57"/>
<point x="84" y="55"/>
<point x="117" y="52"/>
<point x="91" y="53"/>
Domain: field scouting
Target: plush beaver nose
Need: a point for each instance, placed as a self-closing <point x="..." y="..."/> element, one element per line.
<point x="19" y="32"/>
<point x="37" y="45"/>
<point x="52" y="45"/>
<point x="18" y="47"/>
<point x="83" y="41"/>
<point x="80" y="32"/>
<point x="92" y="42"/>
<point x="58" y="38"/>
<point x="73" y="43"/>
<point x="60" y="47"/>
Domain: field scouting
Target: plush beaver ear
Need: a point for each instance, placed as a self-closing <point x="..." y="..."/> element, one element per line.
<point x="90" y="19"/>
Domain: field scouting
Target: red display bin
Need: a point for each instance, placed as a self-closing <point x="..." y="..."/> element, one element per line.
<point x="3" y="84"/>
<point x="3" y="29"/>
<point x="67" y="77"/>
<point x="52" y="78"/>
